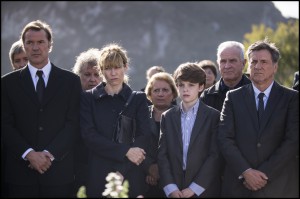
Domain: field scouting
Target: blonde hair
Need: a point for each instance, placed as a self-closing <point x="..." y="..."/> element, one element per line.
<point x="163" y="76"/>
<point x="150" y="71"/>
<point x="113" y="55"/>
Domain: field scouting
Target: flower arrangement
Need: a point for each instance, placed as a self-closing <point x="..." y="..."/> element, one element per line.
<point x="114" y="187"/>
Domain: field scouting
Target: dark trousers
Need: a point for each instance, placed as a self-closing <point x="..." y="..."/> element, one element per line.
<point x="40" y="191"/>
<point x="155" y="192"/>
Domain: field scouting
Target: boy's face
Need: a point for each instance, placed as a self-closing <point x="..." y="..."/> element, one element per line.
<point x="188" y="92"/>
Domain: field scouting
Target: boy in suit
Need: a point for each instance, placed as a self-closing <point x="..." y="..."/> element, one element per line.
<point x="188" y="157"/>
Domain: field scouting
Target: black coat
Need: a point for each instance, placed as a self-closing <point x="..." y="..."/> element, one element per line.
<point x="99" y="112"/>
<point x="214" y="96"/>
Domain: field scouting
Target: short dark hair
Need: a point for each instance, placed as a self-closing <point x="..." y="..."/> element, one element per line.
<point x="265" y="45"/>
<point x="190" y="72"/>
<point x="37" y="26"/>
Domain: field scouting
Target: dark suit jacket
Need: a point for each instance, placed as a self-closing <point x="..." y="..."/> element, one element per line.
<point x="272" y="149"/>
<point x="52" y="125"/>
<point x="202" y="165"/>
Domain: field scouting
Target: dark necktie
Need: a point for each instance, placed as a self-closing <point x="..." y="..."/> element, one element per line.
<point x="260" y="106"/>
<point x="40" y="87"/>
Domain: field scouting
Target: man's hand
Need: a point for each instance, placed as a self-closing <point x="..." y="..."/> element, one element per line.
<point x="254" y="179"/>
<point x="40" y="161"/>
<point x="187" y="193"/>
<point x="176" y="194"/>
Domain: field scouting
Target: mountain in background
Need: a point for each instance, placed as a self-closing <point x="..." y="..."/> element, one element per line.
<point x="153" y="32"/>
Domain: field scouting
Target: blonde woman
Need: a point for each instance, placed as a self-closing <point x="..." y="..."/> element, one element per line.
<point x="100" y="108"/>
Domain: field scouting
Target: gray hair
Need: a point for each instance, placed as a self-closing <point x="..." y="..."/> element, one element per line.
<point x="89" y="58"/>
<point x="16" y="48"/>
<point x="230" y="44"/>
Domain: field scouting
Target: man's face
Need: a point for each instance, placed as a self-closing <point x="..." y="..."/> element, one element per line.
<point x="37" y="47"/>
<point x="262" y="68"/>
<point x="230" y="64"/>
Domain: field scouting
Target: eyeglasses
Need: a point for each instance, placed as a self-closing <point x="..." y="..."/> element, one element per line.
<point x="163" y="90"/>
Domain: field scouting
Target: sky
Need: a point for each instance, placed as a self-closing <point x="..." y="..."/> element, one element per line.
<point x="288" y="8"/>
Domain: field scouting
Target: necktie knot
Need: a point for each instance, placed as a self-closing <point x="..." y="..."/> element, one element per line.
<point x="261" y="96"/>
<point x="39" y="73"/>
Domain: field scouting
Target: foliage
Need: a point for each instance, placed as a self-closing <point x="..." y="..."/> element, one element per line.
<point x="286" y="38"/>
<point x="81" y="192"/>
<point x="114" y="188"/>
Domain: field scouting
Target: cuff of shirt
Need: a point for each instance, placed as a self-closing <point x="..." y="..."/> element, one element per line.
<point x="50" y="158"/>
<point x="168" y="189"/>
<point x="26" y="152"/>
<point x="196" y="189"/>
<point x="241" y="176"/>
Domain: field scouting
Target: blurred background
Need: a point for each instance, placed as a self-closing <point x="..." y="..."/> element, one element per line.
<point x="153" y="32"/>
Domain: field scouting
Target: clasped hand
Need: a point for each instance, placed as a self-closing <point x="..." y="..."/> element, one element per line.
<point x="185" y="193"/>
<point x="40" y="161"/>
<point x="254" y="179"/>
<point x="153" y="175"/>
<point x="136" y="155"/>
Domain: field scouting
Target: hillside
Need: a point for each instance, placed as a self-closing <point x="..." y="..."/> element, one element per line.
<point x="153" y="32"/>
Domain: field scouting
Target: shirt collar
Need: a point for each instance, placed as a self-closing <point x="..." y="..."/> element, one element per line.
<point x="46" y="70"/>
<point x="266" y="92"/>
<point x="193" y="110"/>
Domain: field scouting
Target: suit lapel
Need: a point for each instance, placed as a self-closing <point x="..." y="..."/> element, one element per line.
<point x="54" y="83"/>
<point x="199" y="122"/>
<point x="176" y="120"/>
<point x="274" y="98"/>
<point x="27" y="84"/>
<point x="251" y="105"/>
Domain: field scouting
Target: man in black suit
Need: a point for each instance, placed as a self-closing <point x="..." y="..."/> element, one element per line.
<point x="39" y="134"/>
<point x="261" y="150"/>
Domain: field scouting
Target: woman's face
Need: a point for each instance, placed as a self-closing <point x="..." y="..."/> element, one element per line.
<point x="114" y="76"/>
<point x="161" y="94"/>
<point x="20" y="60"/>
<point x="210" y="77"/>
<point x="90" y="77"/>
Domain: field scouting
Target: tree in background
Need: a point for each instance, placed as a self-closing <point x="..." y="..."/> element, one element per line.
<point x="286" y="38"/>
